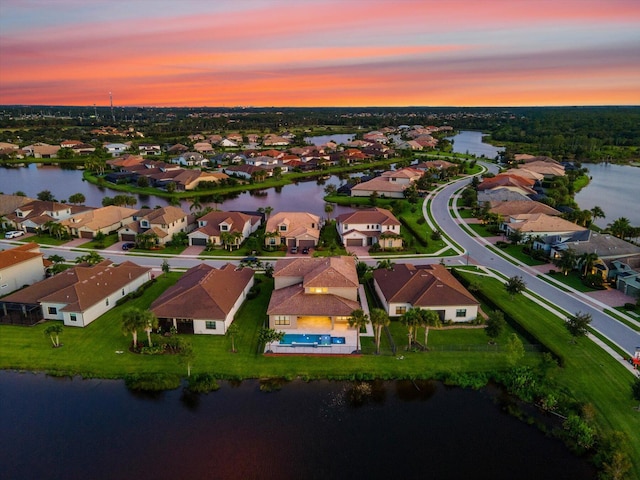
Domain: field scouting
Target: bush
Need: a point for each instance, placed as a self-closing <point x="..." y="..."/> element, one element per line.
<point x="552" y="272"/>
<point x="630" y="306"/>
<point x="151" y="382"/>
<point x="593" y="280"/>
<point x="203" y="383"/>
<point x="253" y="292"/>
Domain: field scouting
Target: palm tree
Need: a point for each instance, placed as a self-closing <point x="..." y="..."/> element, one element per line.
<point x="132" y="321"/>
<point x="232" y="331"/>
<point x="358" y="320"/>
<point x="54" y="332"/>
<point x="620" y="227"/>
<point x="597" y="212"/>
<point x="150" y="322"/>
<point x="411" y="319"/>
<point x="328" y="209"/>
<point x="195" y="204"/>
<point x="379" y="319"/>
<point x="77" y="198"/>
<point x="92" y="258"/>
<point x="386" y="264"/>
<point x="268" y="210"/>
<point x="226" y="239"/>
<point x="567" y="261"/>
<point x="429" y="318"/>
<point x="587" y="260"/>
<point x="55" y="229"/>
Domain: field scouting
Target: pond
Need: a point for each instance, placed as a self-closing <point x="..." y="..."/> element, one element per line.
<point x="467" y="141"/>
<point x="77" y="429"/>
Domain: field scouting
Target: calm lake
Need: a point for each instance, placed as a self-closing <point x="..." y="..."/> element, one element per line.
<point x="467" y="141"/>
<point x="79" y="429"/>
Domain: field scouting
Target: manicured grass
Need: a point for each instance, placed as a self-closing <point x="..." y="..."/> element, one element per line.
<point x="107" y="242"/>
<point x="588" y="374"/>
<point x="516" y="252"/>
<point x="613" y="313"/>
<point x="43" y="239"/>
<point x="481" y="230"/>
<point x="573" y="280"/>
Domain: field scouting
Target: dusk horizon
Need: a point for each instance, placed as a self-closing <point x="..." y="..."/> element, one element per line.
<point x="321" y="53"/>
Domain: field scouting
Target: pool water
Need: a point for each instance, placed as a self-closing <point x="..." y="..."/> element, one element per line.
<point x="311" y="339"/>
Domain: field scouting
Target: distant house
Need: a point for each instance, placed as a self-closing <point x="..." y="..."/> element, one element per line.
<point x="8" y="206"/>
<point x="293" y="229"/>
<point x="116" y="149"/>
<point x="32" y="216"/>
<point x="19" y="266"/>
<point x="149" y="149"/>
<point x="105" y="219"/>
<point x="204" y="300"/>
<point x="80" y="294"/>
<point x="430" y="287"/>
<point x="390" y="184"/>
<point x="191" y="159"/>
<point x="203" y="147"/>
<point x="368" y="226"/>
<point x="226" y="143"/>
<point x="516" y="207"/>
<point x="313" y="294"/>
<point x="42" y="150"/>
<point x="163" y="222"/>
<point x="212" y="226"/>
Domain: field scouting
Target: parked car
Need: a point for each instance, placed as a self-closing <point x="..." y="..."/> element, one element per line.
<point x="128" y="245"/>
<point x="305" y="250"/>
<point x="294" y="250"/>
<point x="14" y="234"/>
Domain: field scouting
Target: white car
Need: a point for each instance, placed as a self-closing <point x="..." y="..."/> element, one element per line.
<point x="14" y="234"/>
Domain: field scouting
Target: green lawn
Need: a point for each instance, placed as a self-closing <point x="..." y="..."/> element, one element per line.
<point x="481" y="230"/>
<point x="516" y="252"/>
<point x="572" y="279"/>
<point x="107" y="242"/>
<point x="44" y="239"/>
<point x="588" y="374"/>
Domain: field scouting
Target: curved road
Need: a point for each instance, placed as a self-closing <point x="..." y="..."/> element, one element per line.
<point x="625" y="337"/>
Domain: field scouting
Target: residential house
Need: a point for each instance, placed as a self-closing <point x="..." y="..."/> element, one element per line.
<point x="42" y="150"/>
<point x="191" y="159"/>
<point x="313" y="294"/>
<point x="19" y="266"/>
<point x="149" y="149"/>
<point x="32" y="216"/>
<point x="391" y="184"/>
<point x="8" y="205"/>
<point x="538" y="225"/>
<point x="365" y="227"/>
<point x="516" y="207"/>
<point x="212" y="226"/>
<point x="116" y="149"/>
<point x="204" y="300"/>
<point x="203" y="147"/>
<point x="547" y="169"/>
<point x="292" y="229"/>
<point x="226" y="143"/>
<point x="430" y="287"/>
<point x="271" y="140"/>
<point x="163" y="222"/>
<point x="105" y="219"/>
<point x="246" y="171"/>
<point x="78" y="295"/>
<point x="626" y="274"/>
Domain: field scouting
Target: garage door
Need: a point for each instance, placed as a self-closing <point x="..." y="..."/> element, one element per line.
<point x="354" y="242"/>
<point x="306" y="243"/>
<point x="128" y="237"/>
<point x="199" y="242"/>
<point x="86" y="234"/>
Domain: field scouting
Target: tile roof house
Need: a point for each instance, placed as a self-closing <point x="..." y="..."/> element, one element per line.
<point x="212" y="226"/>
<point x="548" y="169"/>
<point x="390" y="184"/>
<point x="516" y="207"/>
<point x="315" y="294"/>
<point x="105" y="219"/>
<point x="364" y="227"/>
<point x="164" y="222"/>
<point x="293" y="229"/>
<point x="80" y="294"/>
<point x="539" y="224"/>
<point x="19" y="266"/>
<point x="34" y="215"/>
<point x="204" y="300"/>
<point x="9" y="204"/>
<point x="430" y="287"/>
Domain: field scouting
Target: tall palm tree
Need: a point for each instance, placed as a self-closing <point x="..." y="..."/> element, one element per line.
<point x="411" y="319"/>
<point x="92" y="258"/>
<point x="597" y="212"/>
<point x="587" y="260"/>
<point x="195" y="204"/>
<point x="620" y="227"/>
<point x="54" y="331"/>
<point x="55" y="229"/>
<point x="328" y="209"/>
<point x="379" y="319"/>
<point x="132" y="321"/>
<point x="567" y="261"/>
<point x="429" y="318"/>
<point x="268" y="210"/>
<point x="150" y="322"/>
<point x="358" y="320"/>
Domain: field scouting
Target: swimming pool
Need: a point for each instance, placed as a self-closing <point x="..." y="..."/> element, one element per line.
<point x="311" y="340"/>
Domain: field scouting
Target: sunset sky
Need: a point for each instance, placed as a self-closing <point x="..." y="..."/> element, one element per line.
<point x="320" y="52"/>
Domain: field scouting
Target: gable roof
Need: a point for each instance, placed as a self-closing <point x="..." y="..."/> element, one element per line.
<point x="19" y="254"/>
<point x="328" y="272"/>
<point x="82" y="286"/>
<point x="422" y="286"/>
<point x="539" y="222"/>
<point x="100" y="217"/>
<point x="295" y="221"/>
<point x="293" y="300"/>
<point x="203" y="292"/>
<point x="9" y="203"/>
<point x="515" y="207"/>
<point x="163" y="215"/>
<point x="236" y="221"/>
<point x="374" y="215"/>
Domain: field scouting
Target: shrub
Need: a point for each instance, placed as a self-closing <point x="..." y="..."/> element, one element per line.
<point x="151" y="382"/>
<point x="203" y="383"/>
<point x="630" y="306"/>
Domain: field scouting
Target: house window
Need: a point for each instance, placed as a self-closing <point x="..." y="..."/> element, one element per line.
<point x="283" y="228"/>
<point x="282" y="320"/>
<point x="72" y="317"/>
<point x="123" y="292"/>
<point x="224" y="228"/>
<point x="272" y="241"/>
<point x="461" y="312"/>
<point x="106" y="302"/>
<point x="401" y="310"/>
<point x="210" y="325"/>
<point x="318" y="290"/>
<point x="53" y="311"/>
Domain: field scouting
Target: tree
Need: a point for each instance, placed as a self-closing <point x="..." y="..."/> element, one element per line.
<point x="386" y="264"/>
<point x="358" y="320"/>
<point x="379" y="319"/>
<point x="186" y="355"/>
<point x="195" y="204"/>
<point x="165" y="266"/>
<point x="330" y="189"/>
<point x="46" y="196"/>
<point x="268" y="210"/>
<point x="268" y="336"/>
<point x="92" y="258"/>
<point x="578" y="325"/>
<point x="54" y="331"/>
<point x="55" y="258"/>
<point x="132" y="321"/>
<point x="55" y="229"/>
<point x="150" y="322"/>
<point x="567" y="261"/>
<point x="495" y="325"/>
<point x="428" y="318"/>
<point x="515" y="237"/>
<point x="597" y="212"/>
<point x="620" y="227"/>
<point x="328" y="209"/>
<point x="515" y="350"/>
<point x="77" y="198"/>
<point x="515" y="285"/>
<point x="410" y="319"/>
<point x="587" y="260"/>
<point x="232" y="331"/>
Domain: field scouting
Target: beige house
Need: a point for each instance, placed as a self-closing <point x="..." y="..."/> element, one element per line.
<point x="19" y="266"/>
<point x="293" y="229"/>
<point x="204" y="300"/>
<point x="365" y="227"/>
<point x="81" y="294"/>
<point x="390" y="184"/>
<point x="164" y="222"/>
<point x="32" y="216"/>
<point x="313" y="294"/>
<point x="213" y="226"/>
<point x="539" y="225"/>
<point x="106" y="220"/>
<point x="429" y="287"/>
